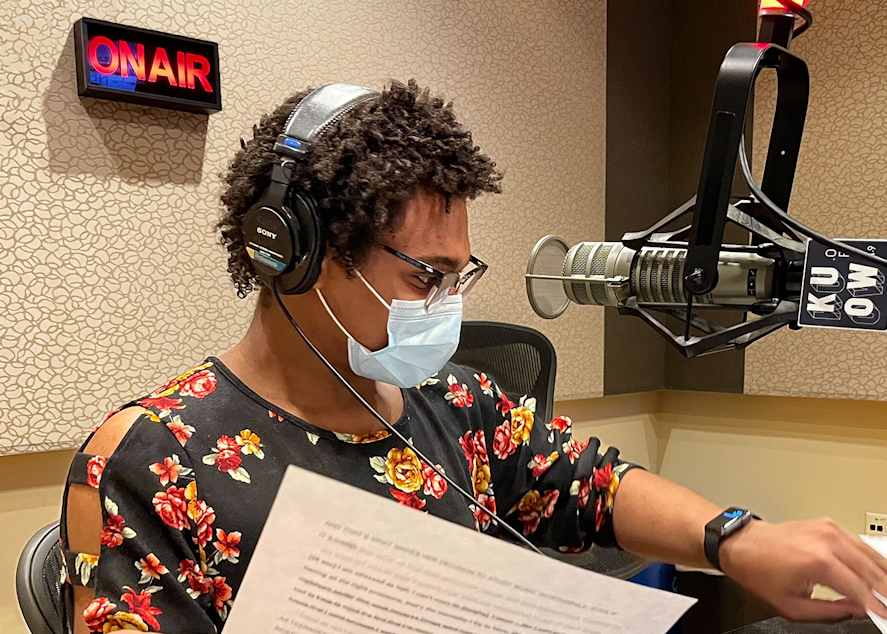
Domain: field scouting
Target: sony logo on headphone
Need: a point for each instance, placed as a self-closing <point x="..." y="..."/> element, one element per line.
<point x="266" y="233"/>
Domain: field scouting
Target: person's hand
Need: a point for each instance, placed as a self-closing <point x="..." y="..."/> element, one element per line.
<point x="781" y="563"/>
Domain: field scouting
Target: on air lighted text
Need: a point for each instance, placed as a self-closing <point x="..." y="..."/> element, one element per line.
<point x="189" y="70"/>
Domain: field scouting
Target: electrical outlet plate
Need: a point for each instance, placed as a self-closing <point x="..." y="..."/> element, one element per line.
<point x="876" y="524"/>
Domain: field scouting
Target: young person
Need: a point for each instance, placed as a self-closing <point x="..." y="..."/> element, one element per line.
<point x="167" y="498"/>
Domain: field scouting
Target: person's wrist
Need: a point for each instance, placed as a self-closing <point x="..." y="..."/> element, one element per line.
<point x="736" y="549"/>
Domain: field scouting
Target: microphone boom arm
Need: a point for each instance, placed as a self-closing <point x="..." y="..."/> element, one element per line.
<point x="736" y="79"/>
<point x="711" y="208"/>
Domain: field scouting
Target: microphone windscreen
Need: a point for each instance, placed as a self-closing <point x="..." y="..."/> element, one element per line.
<point x="547" y="297"/>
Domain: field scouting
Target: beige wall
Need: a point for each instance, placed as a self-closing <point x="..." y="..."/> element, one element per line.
<point x="786" y="458"/>
<point x="840" y="190"/>
<point x="110" y="277"/>
<point x="31" y="488"/>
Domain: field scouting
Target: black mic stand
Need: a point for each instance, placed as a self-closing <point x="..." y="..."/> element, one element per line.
<point x="771" y="237"/>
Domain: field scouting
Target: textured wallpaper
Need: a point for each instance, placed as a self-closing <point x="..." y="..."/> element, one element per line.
<point x="111" y="279"/>
<point x="840" y="190"/>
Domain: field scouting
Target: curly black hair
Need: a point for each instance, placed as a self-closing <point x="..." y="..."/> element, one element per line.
<point x="361" y="172"/>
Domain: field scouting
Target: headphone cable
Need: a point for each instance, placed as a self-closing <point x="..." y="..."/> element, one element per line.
<point x="391" y="429"/>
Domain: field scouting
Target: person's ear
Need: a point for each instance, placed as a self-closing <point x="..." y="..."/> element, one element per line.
<point x="325" y="269"/>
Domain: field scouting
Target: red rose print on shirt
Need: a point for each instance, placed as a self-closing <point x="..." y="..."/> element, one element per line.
<point x="573" y="448"/>
<point x="603" y="476"/>
<point x="503" y="443"/>
<point x="115" y="530"/>
<point x="481" y="517"/>
<point x="172" y="507"/>
<point x="534" y="506"/>
<point x="203" y="516"/>
<point x="550" y="499"/>
<point x="151" y="568"/>
<point x="584" y="491"/>
<point x="458" y="395"/>
<point x="161" y="403"/>
<point x="228" y="460"/>
<point x="434" y="484"/>
<point x="94" y="469"/>
<point x="599" y="515"/>
<point x="226" y="456"/>
<point x="96" y="612"/>
<point x="197" y="584"/>
<point x="198" y="385"/>
<point x="561" y="424"/>
<point x="227" y="443"/>
<point x="408" y="499"/>
<point x="486" y="385"/>
<point x="540" y="463"/>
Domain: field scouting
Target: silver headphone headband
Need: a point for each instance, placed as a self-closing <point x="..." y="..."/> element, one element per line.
<point x="316" y="112"/>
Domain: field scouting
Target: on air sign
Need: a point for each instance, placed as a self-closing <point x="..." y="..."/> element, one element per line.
<point x="841" y="291"/>
<point x="124" y="63"/>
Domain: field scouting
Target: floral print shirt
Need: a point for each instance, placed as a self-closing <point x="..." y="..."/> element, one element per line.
<point x="187" y="491"/>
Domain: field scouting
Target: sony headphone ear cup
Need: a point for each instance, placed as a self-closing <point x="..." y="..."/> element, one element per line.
<point x="310" y="244"/>
<point x="268" y="235"/>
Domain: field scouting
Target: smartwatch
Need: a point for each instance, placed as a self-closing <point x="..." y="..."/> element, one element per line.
<point x="720" y="528"/>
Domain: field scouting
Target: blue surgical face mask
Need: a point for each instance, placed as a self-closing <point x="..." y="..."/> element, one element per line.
<point x="419" y="342"/>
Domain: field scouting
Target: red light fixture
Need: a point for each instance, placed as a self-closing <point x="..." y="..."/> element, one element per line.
<point x="775" y="5"/>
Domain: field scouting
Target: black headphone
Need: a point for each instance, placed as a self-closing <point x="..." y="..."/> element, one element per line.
<point x="282" y="233"/>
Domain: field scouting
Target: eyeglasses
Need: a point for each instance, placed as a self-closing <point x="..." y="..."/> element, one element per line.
<point x="445" y="284"/>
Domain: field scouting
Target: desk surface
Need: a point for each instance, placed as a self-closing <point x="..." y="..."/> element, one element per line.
<point x="780" y="626"/>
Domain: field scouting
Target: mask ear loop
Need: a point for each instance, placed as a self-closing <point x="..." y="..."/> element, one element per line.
<point x="372" y="290"/>
<point x="330" y="313"/>
<point x="335" y="319"/>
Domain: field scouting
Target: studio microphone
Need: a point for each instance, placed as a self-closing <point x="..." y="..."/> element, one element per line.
<point x="610" y="273"/>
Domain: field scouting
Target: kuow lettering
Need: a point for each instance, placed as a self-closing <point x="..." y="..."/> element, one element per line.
<point x="828" y="307"/>
<point x="865" y="281"/>
<point x="826" y="279"/>
<point x="862" y="311"/>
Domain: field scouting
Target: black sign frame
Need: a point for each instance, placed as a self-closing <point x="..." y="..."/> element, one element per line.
<point x="826" y="305"/>
<point x="85" y="88"/>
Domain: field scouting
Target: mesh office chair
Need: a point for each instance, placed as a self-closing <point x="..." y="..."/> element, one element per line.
<point x="520" y="359"/>
<point x="523" y="361"/>
<point x="38" y="581"/>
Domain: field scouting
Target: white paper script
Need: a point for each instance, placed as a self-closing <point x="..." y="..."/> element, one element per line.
<point x="879" y="544"/>
<point x="334" y="559"/>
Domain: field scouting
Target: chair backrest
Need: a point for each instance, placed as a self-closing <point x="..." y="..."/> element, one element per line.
<point x="38" y="581"/>
<point x="520" y="359"/>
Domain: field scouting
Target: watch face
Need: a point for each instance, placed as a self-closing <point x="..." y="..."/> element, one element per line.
<point x="729" y="520"/>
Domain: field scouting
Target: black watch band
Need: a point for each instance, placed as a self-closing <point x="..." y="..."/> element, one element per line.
<point x="720" y="528"/>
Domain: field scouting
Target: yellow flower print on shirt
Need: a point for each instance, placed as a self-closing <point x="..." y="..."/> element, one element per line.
<point x="481" y="475"/>
<point x="124" y="621"/>
<point x="250" y="443"/>
<point x="403" y="470"/>
<point x="522" y="419"/>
